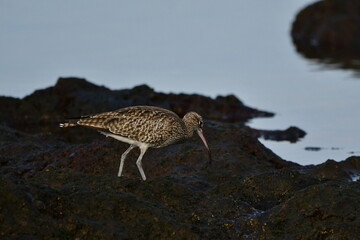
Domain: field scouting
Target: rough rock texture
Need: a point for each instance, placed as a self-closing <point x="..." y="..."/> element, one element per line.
<point x="291" y="134"/>
<point x="56" y="185"/>
<point x="329" y="31"/>
<point x="73" y="97"/>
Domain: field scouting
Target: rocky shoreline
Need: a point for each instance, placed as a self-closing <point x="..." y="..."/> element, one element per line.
<point x="71" y="97"/>
<point x="328" y="32"/>
<point x="62" y="184"/>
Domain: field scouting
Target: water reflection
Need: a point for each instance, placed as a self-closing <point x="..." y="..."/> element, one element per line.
<point x="329" y="33"/>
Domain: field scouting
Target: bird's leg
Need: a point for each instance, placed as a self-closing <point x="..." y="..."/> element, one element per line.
<point x="123" y="156"/>
<point x="143" y="149"/>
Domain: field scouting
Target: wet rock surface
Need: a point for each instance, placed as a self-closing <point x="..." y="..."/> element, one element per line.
<point x="64" y="185"/>
<point x="329" y="31"/>
<point x="291" y="134"/>
<point x="73" y="97"/>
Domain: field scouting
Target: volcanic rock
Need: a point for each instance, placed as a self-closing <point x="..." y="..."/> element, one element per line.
<point x="63" y="184"/>
<point x="329" y="31"/>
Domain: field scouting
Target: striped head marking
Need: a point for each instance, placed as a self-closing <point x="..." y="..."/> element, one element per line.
<point x="193" y="121"/>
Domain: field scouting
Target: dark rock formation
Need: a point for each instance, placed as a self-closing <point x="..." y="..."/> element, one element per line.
<point x="292" y="134"/>
<point x="329" y="31"/>
<point x="322" y="211"/>
<point x="72" y="97"/>
<point x="50" y="189"/>
<point x="56" y="185"/>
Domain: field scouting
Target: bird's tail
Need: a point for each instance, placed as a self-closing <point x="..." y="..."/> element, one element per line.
<point x="69" y="124"/>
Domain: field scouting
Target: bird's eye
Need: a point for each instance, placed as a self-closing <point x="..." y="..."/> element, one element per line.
<point x="200" y="124"/>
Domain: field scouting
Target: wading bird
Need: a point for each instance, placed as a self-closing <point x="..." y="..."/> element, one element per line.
<point x="143" y="127"/>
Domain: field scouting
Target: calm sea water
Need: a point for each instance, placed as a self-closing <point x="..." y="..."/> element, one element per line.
<point x="207" y="47"/>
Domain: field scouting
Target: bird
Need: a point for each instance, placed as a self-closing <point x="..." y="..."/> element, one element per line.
<point x="143" y="127"/>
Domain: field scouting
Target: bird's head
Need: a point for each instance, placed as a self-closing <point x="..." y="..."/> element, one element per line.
<point x="194" y="122"/>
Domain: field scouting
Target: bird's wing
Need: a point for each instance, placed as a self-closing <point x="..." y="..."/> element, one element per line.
<point x="144" y="124"/>
<point x="135" y="110"/>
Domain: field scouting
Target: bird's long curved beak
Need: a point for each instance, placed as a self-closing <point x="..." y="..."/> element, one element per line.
<point x="201" y="135"/>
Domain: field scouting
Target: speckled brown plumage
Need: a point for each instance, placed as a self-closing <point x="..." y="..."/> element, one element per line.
<point x="142" y="126"/>
<point x="155" y="126"/>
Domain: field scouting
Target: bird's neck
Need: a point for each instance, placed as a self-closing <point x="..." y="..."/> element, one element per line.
<point x="189" y="128"/>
